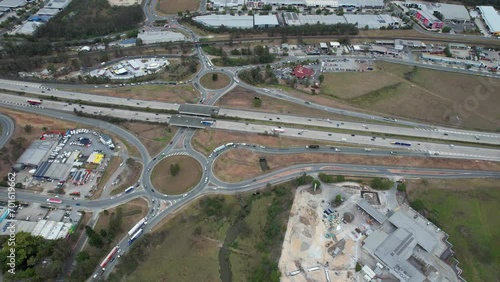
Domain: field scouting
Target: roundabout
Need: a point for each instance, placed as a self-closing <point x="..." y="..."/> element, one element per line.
<point x="215" y="80"/>
<point x="176" y="175"/>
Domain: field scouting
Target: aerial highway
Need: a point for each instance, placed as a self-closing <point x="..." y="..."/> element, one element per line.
<point x="429" y="148"/>
<point x="338" y="132"/>
<point x="7" y="128"/>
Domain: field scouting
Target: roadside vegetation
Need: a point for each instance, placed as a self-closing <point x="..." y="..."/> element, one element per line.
<point x="465" y="209"/>
<point x="30" y="252"/>
<point x="259" y="55"/>
<point x="109" y="229"/>
<point x="242" y="235"/>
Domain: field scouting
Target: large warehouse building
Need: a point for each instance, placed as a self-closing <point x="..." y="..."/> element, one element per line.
<point x="372" y="21"/>
<point x="359" y="4"/>
<point x="36" y="152"/>
<point x="409" y="246"/>
<point x="491" y="18"/>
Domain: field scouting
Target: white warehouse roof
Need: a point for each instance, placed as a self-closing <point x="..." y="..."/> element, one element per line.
<point x="226" y="20"/>
<point x="47" y="12"/>
<point x="270" y="20"/>
<point x="491" y="18"/>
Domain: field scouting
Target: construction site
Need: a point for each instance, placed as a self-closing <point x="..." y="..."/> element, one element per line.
<point x="350" y="232"/>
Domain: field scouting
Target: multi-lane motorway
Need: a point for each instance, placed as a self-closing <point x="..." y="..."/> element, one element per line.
<point x="359" y="133"/>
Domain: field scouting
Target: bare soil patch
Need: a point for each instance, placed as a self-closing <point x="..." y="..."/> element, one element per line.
<point x="113" y="165"/>
<point x="160" y="93"/>
<point x="241" y="98"/>
<point x="188" y="176"/>
<point x="153" y="136"/>
<point x="240" y="164"/>
<point x="221" y="82"/>
<point x="174" y="6"/>
<point x="130" y="174"/>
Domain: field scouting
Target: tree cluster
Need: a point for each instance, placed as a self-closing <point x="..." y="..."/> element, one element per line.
<point x="330" y="179"/>
<point x="257" y="75"/>
<point x="378" y="183"/>
<point x="175" y="168"/>
<point x="87" y="18"/>
<point x="31" y="251"/>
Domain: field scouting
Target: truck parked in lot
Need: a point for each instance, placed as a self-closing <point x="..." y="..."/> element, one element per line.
<point x="75" y="194"/>
<point x="312" y="147"/>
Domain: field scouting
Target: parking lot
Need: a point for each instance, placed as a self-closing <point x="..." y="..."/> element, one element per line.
<point x="72" y="152"/>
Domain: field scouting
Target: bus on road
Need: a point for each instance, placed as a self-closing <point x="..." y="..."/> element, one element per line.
<point x="34" y="102"/>
<point x="54" y="200"/>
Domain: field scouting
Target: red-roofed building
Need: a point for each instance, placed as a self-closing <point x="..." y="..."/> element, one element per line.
<point x="301" y="72"/>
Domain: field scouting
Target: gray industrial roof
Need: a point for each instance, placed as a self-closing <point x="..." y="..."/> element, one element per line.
<point x="362" y="3"/>
<point x="270" y="20"/>
<point x="324" y="19"/>
<point x="57" y="4"/>
<point x="226" y="20"/>
<point x="13" y="3"/>
<point x="423" y="237"/>
<point x="53" y="170"/>
<point x="378" y="216"/>
<point x="199" y="110"/>
<point x="150" y="37"/>
<point x="47" y="12"/>
<point x="36" y="152"/>
<point x="187" y="121"/>
<point x="453" y="12"/>
<point x="372" y="21"/>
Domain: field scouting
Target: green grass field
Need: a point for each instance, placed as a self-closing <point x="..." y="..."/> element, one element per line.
<point x="439" y="97"/>
<point x="186" y="247"/>
<point x="468" y="211"/>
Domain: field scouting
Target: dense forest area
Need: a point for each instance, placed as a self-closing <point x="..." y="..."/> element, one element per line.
<point x="87" y="18"/>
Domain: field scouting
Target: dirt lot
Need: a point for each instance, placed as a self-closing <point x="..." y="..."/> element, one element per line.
<point x="113" y="165"/>
<point x="174" y="6"/>
<point x="456" y="100"/>
<point x="38" y="122"/>
<point x="306" y="244"/>
<point x="206" y="140"/>
<point x="130" y="175"/>
<point x="222" y="81"/>
<point x="239" y="164"/>
<point x="153" y="136"/>
<point x="124" y="2"/>
<point x="240" y="98"/>
<point x="188" y="176"/>
<point x="160" y="93"/>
